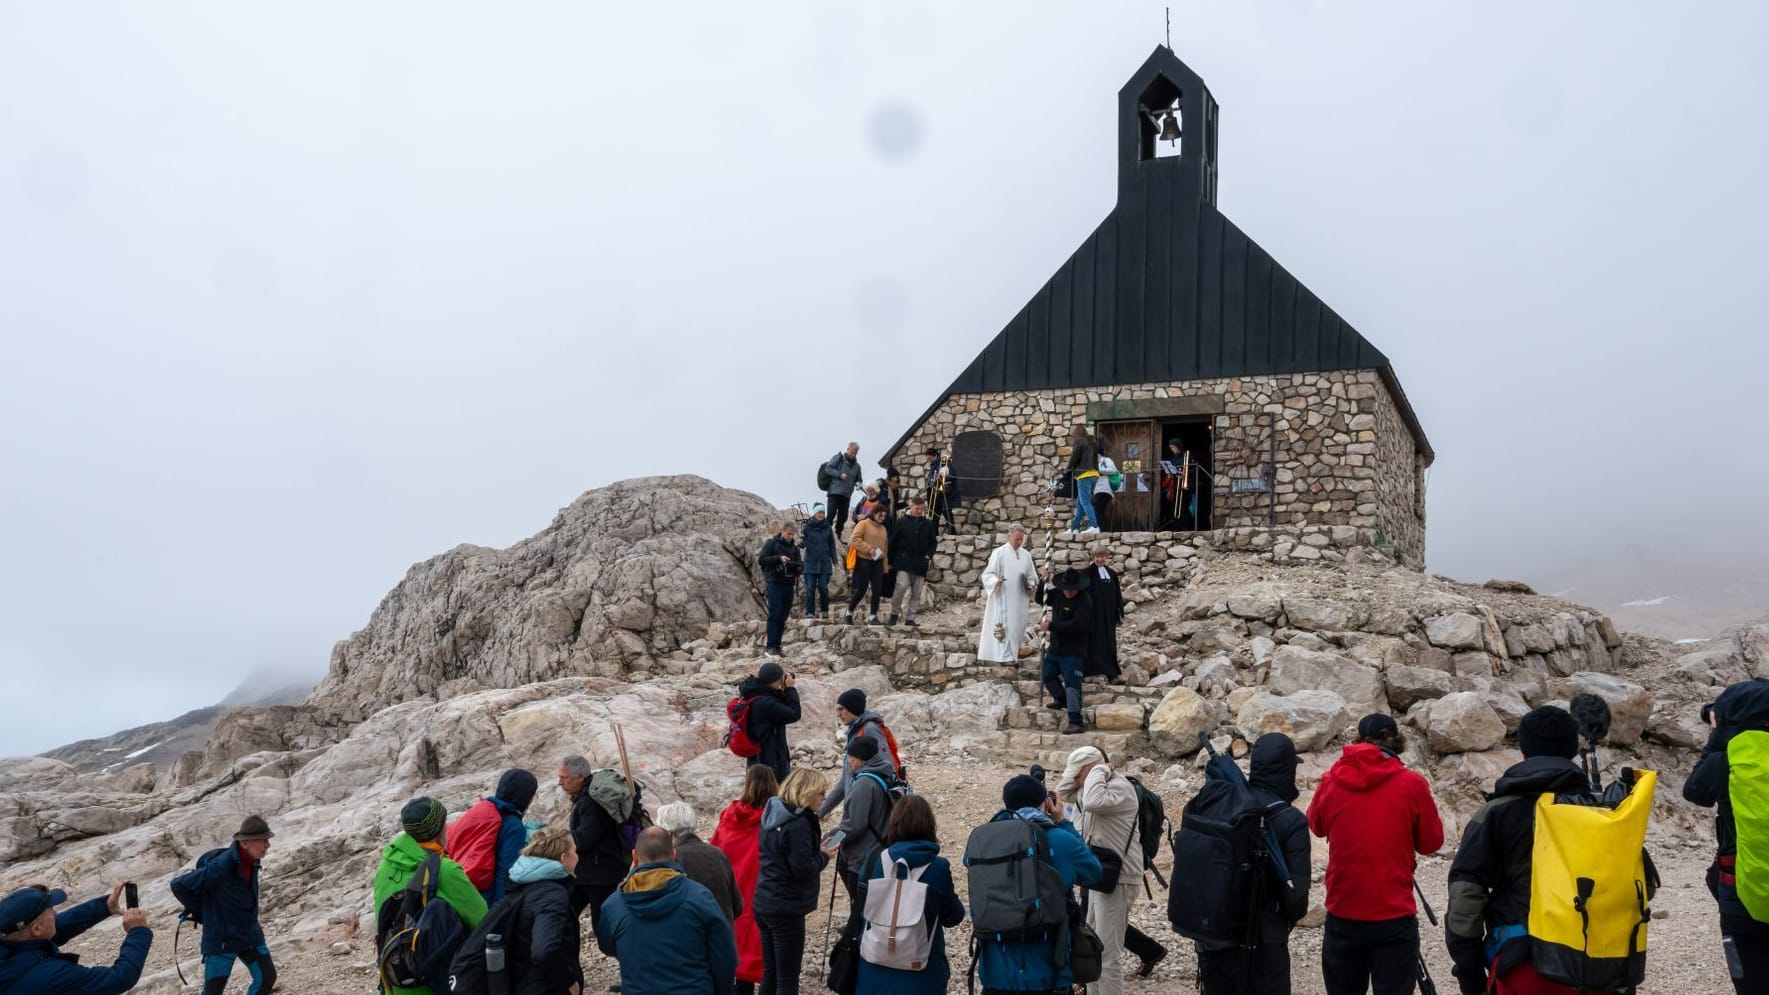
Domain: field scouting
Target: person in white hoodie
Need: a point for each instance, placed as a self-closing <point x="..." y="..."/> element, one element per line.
<point x="1106" y="806"/>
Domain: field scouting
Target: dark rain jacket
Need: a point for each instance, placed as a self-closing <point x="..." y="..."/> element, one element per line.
<point x="819" y="544"/>
<point x="1271" y="774"/>
<point x="1740" y="706"/>
<point x="708" y="866"/>
<point x="544" y="949"/>
<point x="602" y="857"/>
<point x="912" y="544"/>
<point x="776" y="558"/>
<point x="229" y="903"/>
<point x="770" y="712"/>
<point x="941" y="911"/>
<point x="791" y="864"/>
<point x="38" y="967"/>
<point x="1071" y="621"/>
<point x="668" y="934"/>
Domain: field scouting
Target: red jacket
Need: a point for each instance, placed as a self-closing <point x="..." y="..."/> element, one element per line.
<point x="1374" y="814"/>
<point x="739" y="835"/>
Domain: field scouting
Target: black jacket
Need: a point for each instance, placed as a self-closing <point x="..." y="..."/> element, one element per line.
<point x="1271" y="774"/>
<point x="779" y="560"/>
<point x="602" y="857"/>
<point x="1489" y="879"/>
<point x="770" y="712"/>
<point x="1106" y="596"/>
<point x="791" y="864"/>
<point x="545" y="947"/>
<point x="912" y="544"/>
<point x="1083" y="456"/>
<point x="1708" y="787"/>
<point x="1071" y="621"/>
<point x="819" y="545"/>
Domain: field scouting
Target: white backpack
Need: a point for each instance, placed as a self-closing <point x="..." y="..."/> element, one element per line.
<point x="894" y="933"/>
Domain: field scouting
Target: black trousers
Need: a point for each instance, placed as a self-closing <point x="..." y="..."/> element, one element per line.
<point x="1750" y="940"/>
<point x="591" y="896"/>
<point x="783" y="953"/>
<point x="868" y="576"/>
<point x="838" y="511"/>
<point x="1224" y="972"/>
<point x="1142" y="945"/>
<point x="1380" y="957"/>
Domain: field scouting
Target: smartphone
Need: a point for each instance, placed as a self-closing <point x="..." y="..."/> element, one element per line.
<point x="131" y="897"/>
<point x="834" y="838"/>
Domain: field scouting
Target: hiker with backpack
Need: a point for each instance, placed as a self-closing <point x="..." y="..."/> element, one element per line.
<point x="32" y="932"/>
<point x="221" y="895"/>
<point x="1107" y="808"/>
<point x="424" y="904"/>
<point x="1245" y="851"/>
<point x="542" y="943"/>
<point x="1375" y="814"/>
<point x="603" y="856"/>
<point x="739" y="837"/>
<point x="765" y="705"/>
<point x="905" y="904"/>
<point x="837" y="479"/>
<point x="1498" y="942"/>
<point x="781" y="566"/>
<point x="820" y="554"/>
<point x="1729" y="776"/>
<point x="1070" y="624"/>
<point x="487" y="838"/>
<point x="791" y="875"/>
<point x="665" y="929"/>
<point x="858" y="723"/>
<point x="1022" y="867"/>
<point x="705" y="865"/>
<point x="872" y="791"/>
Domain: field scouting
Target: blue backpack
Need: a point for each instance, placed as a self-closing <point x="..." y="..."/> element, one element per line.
<point x="416" y="934"/>
<point x="188" y="888"/>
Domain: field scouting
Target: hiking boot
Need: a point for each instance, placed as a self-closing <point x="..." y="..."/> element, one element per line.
<point x="848" y="617"/>
<point x="1147" y="967"/>
<point x="874" y="621"/>
<point x="772" y="651"/>
<point x="1072" y="728"/>
<point x="892" y="620"/>
<point x="912" y="623"/>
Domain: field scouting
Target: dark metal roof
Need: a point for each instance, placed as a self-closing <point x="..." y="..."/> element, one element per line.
<point x="1167" y="288"/>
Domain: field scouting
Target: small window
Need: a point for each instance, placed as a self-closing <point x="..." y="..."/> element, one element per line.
<point x="976" y="461"/>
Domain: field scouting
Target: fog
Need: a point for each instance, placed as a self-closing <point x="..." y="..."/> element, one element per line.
<point x="291" y="299"/>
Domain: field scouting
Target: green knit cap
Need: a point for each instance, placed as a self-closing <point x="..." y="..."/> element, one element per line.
<point x="423" y="818"/>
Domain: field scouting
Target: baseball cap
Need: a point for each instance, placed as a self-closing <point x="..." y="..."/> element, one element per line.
<point x="21" y="908"/>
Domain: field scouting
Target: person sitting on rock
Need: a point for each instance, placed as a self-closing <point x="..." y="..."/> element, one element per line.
<point x="665" y="928"/>
<point x="223" y="889"/>
<point x="1375" y="814"/>
<point x="774" y="706"/>
<point x="858" y="723"/>
<point x="1070" y="624"/>
<point x="422" y="821"/>
<point x="703" y="863"/>
<point x="488" y="837"/>
<point x="32" y="932"/>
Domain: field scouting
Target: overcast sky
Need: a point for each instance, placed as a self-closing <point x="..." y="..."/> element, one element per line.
<point x="291" y="299"/>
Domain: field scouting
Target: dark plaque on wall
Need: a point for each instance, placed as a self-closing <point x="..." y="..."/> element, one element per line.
<point x="976" y="461"/>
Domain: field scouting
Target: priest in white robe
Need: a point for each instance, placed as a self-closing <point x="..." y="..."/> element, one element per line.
<point x="1008" y="583"/>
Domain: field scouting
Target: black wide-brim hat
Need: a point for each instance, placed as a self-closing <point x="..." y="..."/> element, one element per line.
<point x="1068" y="580"/>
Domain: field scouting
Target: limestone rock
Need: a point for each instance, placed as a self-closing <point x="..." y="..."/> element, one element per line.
<point x="1321" y="614"/>
<point x="1310" y="718"/>
<point x="1215" y="677"/>
<point x="1359" y="687"/>
<point x="1179" y="718"/>
<point x="1462" y="722"/>
<point x="1117" y="717"/>
<point x="1258" y="605"/>
<point x="1456" y="631"/>
<point x="1407" y="685"/>
<point x="1630" y="706"/>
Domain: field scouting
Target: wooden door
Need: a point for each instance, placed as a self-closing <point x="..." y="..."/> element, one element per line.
<point x="1131" y="445"/>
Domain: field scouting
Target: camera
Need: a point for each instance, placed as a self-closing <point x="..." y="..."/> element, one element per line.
<point x="791" y="568"/>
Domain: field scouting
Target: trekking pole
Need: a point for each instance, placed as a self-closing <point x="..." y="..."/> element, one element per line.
<point x="829" y="917"/>
<point x="1426" y="985"/>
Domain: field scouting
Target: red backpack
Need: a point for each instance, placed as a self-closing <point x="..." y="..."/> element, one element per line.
<point x="890" y="740"/>
<point x="737" y="737"/>
<point x="473" y="843"/>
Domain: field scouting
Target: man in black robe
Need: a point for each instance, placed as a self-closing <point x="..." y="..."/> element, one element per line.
<point x="1106" y="601"/>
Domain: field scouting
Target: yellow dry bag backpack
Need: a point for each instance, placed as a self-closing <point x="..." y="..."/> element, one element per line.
<point x="1591" y="884"/>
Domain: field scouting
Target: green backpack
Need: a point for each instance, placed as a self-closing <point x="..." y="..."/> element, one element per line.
<point x="1748" y="788"/>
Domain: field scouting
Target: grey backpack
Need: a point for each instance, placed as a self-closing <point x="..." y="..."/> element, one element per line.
<point x="1016" y="892"/>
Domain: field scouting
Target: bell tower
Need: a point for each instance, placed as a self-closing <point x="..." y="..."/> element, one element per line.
<point x="1167" y="124"/>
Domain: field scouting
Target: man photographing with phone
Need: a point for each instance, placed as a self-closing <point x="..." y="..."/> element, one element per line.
<point x="32" y="932"/>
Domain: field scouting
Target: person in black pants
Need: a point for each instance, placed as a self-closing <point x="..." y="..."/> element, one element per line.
<point x="781" y="566"/>
<point x="790" y="877"/>
<point x="773" y="705"/>
<point x="844" y="475"/>
<point x="602" y="856"/>
<point x="942" y="489"/>
<point x="1146" y="948"/>
<point x="871" y="563"/>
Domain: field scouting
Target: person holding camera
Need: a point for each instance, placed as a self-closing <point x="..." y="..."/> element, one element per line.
<point x="32" y="932"/>
<point x="773" y="705"/>
<point x="781" y="567"/>
<point x="1106" y="809"/>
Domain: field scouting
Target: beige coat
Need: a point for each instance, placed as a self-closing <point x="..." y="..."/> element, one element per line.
<point x="868" y="536"/>
<point x="1107" y="806"/>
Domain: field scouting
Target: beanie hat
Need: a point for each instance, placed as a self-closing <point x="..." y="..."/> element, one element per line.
<point x="1022" y="791"/>
<point x="817" y="509"/>
<point x="517" y="787"/>
<point x="853" y="699"/>
<point x="1549" y="731"/>
<point x="422" y="818"/>
<point x="863" y="747"/>
<point x="769" y="672"/>
<point x="253" y="828"/>
<point x="1376" y="725"/>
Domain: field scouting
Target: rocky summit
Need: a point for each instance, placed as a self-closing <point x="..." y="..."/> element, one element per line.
<point x="639" y="608"/>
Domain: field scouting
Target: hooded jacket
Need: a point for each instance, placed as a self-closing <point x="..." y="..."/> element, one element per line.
<point x="1040" y="964"/>
<point x="791" y="863"/>
<point x="668" y="934"/>
<point x="770" y="713"/>
<point x="1375" y="814"/>
<point x="400" y="860"/>
<point x="472" y="839"/>
<point x="1271" y="773"/>
<point x="870" y="725"/>
<point x="912" y="543"/>
<point x="544" y="949"/>
<point x="1489" y="879"/>
<point x="839" y="464"/>
<point x="868" y="806"/>
<point x="940" y="912"/>
<point x="739" y="837"/>
<point x="1709" y="785"/>
<point x="819" y="543"/>
<point x="38" y="967"/>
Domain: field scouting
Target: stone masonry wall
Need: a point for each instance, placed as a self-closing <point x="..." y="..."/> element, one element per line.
<point x="1340" y="449"/>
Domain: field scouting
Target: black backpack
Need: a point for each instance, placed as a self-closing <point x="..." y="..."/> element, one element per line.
<point x="417" y="934"/>
<point x="1151" y="826"/>
<point x="467" y="973"/>
<point x="824" y="478"/>
<point x="893" y="791"/>
<point x="1222" y="845"/>
<point x="1016" y="891"/>
<point x="188" y="888"/>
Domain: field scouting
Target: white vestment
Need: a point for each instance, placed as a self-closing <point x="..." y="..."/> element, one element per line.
<point x="1008" y="583"/>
